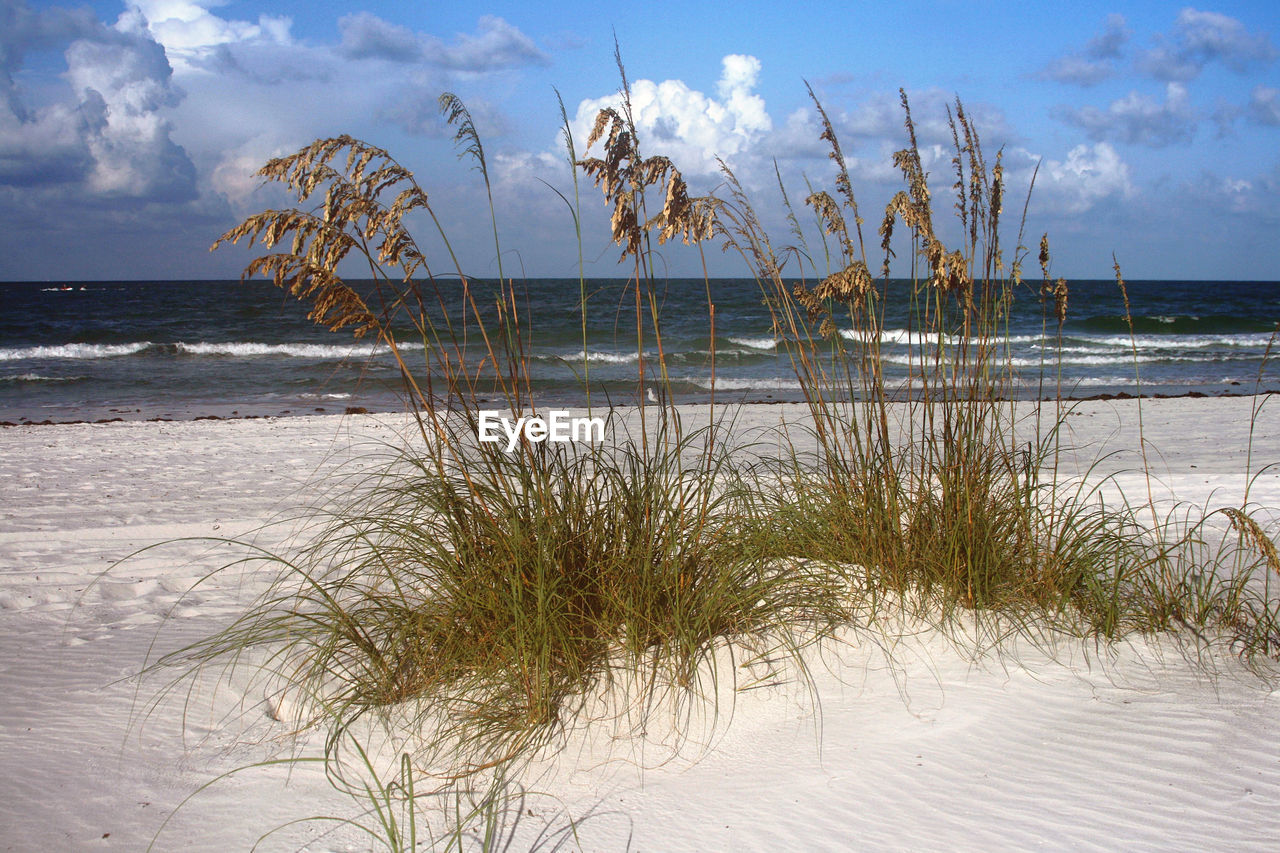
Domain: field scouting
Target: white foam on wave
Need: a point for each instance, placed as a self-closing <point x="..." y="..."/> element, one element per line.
<point x="755" y="343"/>
<point x="1118" y="359"/>
<point x="904" y="337"/>
<point x="77" y="351"/>
<point x="239" y="349"/>
<point x="1228" y="341"/>
<point x="608" y="357"/>
<point x="1081" y="341"/>
<point x="724" y="383"/>
<point x="594" y="357"/>
<point x="35" y="377"/>
<point x="251" y="349"/>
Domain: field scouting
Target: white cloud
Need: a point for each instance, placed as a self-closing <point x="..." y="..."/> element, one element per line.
<point x="1109" y="44"/>
<point x="497" y="44"/>
<point x="414" y="107"/>
<point x="44" y="144"/>
<point x="1080" y="70"/>
<point x="111" y="136"/>
<point x="191" y="34"/>
<point x="1138" y="119"/>
<point x="47" y="147"/>
<point x="235" y="176"/>
<point x="687" y="125"/>
<point x="1089" y="175"/>
<point x="524" y="168"/>
<point x="25" y="29"/>
<point x="880" y="117"/>
<point x="1199" y="38"/>
<point x="1096" y="62"/>
<point x="366" y="36"/>
<point x="1235" y="196"/>
<point x="797" y="137"/>
<point x="123" y="84"/>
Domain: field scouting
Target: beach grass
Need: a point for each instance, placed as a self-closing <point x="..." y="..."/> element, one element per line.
<point x="944" y="491"/>
<point x="478" y="601"/>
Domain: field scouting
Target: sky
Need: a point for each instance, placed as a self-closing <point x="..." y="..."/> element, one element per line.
<point x="130" y="131"/>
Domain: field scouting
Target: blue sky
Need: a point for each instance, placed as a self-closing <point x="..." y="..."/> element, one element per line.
<point x="129" y="131"/>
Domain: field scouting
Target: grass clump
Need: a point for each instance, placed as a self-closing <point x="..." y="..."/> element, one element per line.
<point x="481" y="600"/>
<point x="482" y="609"/>
<point x="944" y="489"/>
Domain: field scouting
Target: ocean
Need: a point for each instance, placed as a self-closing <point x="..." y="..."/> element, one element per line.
<point x="99" y="350"/>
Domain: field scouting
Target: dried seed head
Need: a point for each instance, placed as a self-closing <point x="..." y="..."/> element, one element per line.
<point x="950" y="270"/>
<point x="602" y="121"/>
<point x="1124" y="291"/>
<point x="622" y="176"/>
<point x="852" y="282"/>
<point x="1060" y="292"/>
<point x="1252" y="534"/>
<point x="692" y="220"/>
<point x="353" y="212"/>
<point x="809" y="301"/>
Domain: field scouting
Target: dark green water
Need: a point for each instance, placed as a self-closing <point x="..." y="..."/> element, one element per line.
<point x="91" y="350"/>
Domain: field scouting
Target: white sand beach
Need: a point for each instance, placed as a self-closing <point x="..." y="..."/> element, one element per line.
<point x="912" y="745"/>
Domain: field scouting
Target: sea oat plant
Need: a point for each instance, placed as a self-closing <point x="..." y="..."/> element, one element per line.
<point x="472" y="599"/>
<point x="943" y="491"/>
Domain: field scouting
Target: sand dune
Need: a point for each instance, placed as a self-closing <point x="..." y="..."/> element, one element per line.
<point x="924" y="746"/>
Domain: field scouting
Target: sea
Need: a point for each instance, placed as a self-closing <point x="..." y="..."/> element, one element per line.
<point x="139" y="350"/>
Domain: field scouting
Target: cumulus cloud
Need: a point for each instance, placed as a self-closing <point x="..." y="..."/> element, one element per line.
<point x="199" y="43"/>
<point x="43" y="144"/>
<point x="416" y="111"/>
<point x="47" y="146"/>
<point x="1096" y="62"/>
<point x="522" y="168"/>
<point x="1109" y="44"/>
<point x="872" y="130"/>
<point x="366" y="36"/>
<point x="111" y="136"/>
<point x="123" y="84"/>
<point x="23" y="29"/>
<point x="234" y="176"/>
<point x="687" y="125"/>
<point x="197" y="40"/>
<point x="1199" y="38"/>
<point x="192" y="36"/>
<point x="1252" y="197"/>
<point x="497" y="44"/>
<point x="1138" y="119"/>
<point x="1089" y="175"/>
<point x="1079" y="70"/>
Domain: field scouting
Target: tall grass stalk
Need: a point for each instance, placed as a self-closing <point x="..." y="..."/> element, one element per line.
<point x="574" y="208"/>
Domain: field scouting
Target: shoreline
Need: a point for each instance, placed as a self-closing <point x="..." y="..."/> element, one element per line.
<point x="321" y="411"/>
